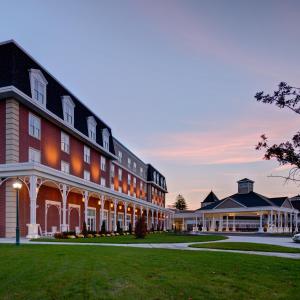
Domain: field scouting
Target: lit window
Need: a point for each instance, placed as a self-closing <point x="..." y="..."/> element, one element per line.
<point x="92" y="124"/>
<point x="38" y="84"/>
<point x="120" y="174"/>
<point x="34" y="126"/>
<point x="68" y="109"/>
<point x="65" y="142"/>
<point x="120" y="155"/>
<point x="87" y="154"/>
<point x="129" y="163"/>
<point x="34" y="155"/>
<point x="105" y="138"/>
<point x="87" y="175"/>
<point x="103" y="163"/>
<point x="65" y="167"/>
<point x="103" y="181"/>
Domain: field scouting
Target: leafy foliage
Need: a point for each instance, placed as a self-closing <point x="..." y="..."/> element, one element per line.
<point x="288" y="152"/>
<point x="140" y="228"/>
<point x="180" y="203"/>
<point x="84" y="229"/>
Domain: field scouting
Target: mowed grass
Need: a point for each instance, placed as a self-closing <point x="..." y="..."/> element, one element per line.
<point x="149" y="239"/>
<point x="247" y="247"/>
<point x="91" y="272"/>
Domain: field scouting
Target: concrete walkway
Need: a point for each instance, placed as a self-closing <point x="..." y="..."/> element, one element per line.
<point x="280" y="241"/>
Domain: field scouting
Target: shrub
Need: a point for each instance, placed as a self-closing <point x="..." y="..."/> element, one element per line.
<point x="89" y="235"/>
<point x="130" y="228"/>
<point x="140" y="228"/>
<point x="84" y="229"/>
<point x="119" y="228"/>
<point x="58" y="235"/>
<point x="103" y="227"/>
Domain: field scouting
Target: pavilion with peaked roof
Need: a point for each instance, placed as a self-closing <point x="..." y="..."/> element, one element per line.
<point x="244" y="211"/>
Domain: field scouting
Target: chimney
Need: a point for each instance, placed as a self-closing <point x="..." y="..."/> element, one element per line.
<point x="245" y="186"/>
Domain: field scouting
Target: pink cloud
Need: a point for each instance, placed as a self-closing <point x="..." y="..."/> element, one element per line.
<point x="234" y="144"/>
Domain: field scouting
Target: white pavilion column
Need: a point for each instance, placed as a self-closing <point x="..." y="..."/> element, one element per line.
<point x="271" y="222"/>
<point x="213" y="224"/>
<point x="33" y="228"/>
<point x="164" y="220"/>
<point x="64" y="225"/>
<point x="133" y="221"/>
<point x="280" y="222"/>
<point x="227" y="224"/>
<point x="125" y="217"/>
<point x="204" y="228"/>
<point x="261" y="223"/>
<point x="291" y="223"/>
<point x="275" y="222"/>
<point x="157" y="220"/>
<point x="296" y="222"/>
<point x="268" y="222"/>
<point x="233" y="224"/>
<point x="220" y="224"/>
<point x="286" y="229"/>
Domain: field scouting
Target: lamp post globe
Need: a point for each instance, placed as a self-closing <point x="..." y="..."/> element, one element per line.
<point x="17" y="185"/>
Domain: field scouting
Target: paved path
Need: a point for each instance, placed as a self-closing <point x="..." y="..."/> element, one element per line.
<point x="280" y="241"/>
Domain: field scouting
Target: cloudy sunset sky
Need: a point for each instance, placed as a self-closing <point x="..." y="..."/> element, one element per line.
<point x="175" y="80"/>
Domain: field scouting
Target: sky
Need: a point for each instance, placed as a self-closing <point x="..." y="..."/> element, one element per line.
<point x="175" y="80"/>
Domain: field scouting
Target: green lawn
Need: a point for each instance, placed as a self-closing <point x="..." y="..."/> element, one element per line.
<point x="91" y="272"/>
<point x="247" y="247"/>
<point x="150" y="238"/>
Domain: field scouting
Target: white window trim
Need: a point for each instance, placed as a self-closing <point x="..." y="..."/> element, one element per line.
<point x="87" y="158"/>
<point x="86" y="172"/>
<point x="66" y="163"/>
<point x="65" y="146"/>
<point x="40" y="129"/>
<point x="36" y="151"/>
<point x="105" y="139"/>
<point x="67" y="101"/>
<point x="92" y="123"/>
<point x="103" y="164"/>
<point x="38" y="75"/>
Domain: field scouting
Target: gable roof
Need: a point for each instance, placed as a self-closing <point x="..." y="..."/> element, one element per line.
<point x="250" y="199"/>
<point x="210" y="198"/>
<point x="246" y="180"/>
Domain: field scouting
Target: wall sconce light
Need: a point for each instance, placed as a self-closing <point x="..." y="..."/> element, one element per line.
<point x="111" y="205"/>
<point x="120" y="207"/>
<point x="99" y="202"/>
<point x="128" y="209"/>
<point x="83" y="199"/>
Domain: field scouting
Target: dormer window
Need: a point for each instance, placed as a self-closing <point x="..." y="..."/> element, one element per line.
<point x="68" y="109"/>
<point x="38" y="84"/>
<point x="105" y="138"/>
<point x="92" y="127"/>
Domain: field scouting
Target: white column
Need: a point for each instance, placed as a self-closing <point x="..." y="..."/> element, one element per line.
<point x="102" y="212"/>
<point x="147" y="211"/>
<point x="133" y="221"/>
<point x="152" y="218"/>
<point x="291" y="222"/>
<point x="213" y="224"/>
<point x="233" y="224"/>
<point x="261" y="223"/>
<point x="125" y="217"/>
<point x="296" y="222"/>
<point x="220" y="224"/>
<point x="64" y="225"/>
<point x="115" y="214"/>
<point x="86" y="200"/>
<point x="157" y="219"/>
<point x="204" y="223"/>
<point x="227" y="224"/>
<point x="33" y="228"/>
<point x="183" y="225"/>
<point x="272" y="225"/>
<point x="286" y="229"/>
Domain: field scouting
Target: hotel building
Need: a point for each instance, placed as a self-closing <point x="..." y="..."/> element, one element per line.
<point x="71" y="167"/>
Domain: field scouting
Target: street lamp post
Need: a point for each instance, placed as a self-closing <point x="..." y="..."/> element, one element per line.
<point x="17" y="185"/>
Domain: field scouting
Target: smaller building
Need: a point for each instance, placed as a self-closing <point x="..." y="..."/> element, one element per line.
<point x="245" y="211"/>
